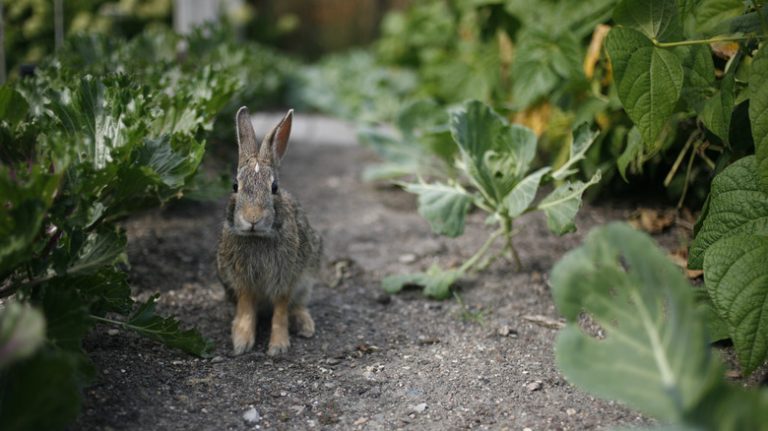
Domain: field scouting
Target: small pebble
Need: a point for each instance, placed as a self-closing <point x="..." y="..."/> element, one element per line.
<point x="217" y="359"/>
<point x="333" y="361"/>
<point x="506" y="331"/>
<point x="419" y="408"/>
<point x="407" y="258"/>
<point x="534" y="386"/>
<point x="251" y="415"/>
<point x="570" y="412"/>
<point x="112" y="332"/>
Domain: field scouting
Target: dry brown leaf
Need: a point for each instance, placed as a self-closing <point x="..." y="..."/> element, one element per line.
<point x="653" y="220"/>
<point x="535" y="118"/>
<point x="595" y="46"/>
<point x="680" y="258"/>
<point x="544" y="321"/>
<point x="725" y="50"/>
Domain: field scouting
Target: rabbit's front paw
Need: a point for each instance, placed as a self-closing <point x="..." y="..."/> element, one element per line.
<point x="243" y="336"/>
<point x="278" y="343"/>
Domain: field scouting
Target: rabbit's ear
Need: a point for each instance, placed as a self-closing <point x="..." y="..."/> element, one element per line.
<point x="277" y="140"/>
<point x="247" y="144"/>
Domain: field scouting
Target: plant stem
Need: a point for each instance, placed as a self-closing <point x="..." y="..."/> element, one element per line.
<point x="473" y="260"/>
<point x="679" y="160"/>
<point x="704" y="41"/>
<point x="687" y="176"/>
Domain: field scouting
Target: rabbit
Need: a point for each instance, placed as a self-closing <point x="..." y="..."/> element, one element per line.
<point x="268" y="254"/>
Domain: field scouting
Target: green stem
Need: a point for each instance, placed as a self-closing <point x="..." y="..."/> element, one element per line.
<point x="473" y="260"/>
<point x="687" y="176"/>
<point x="679" y="160"/>
<point x="704" y="41"/>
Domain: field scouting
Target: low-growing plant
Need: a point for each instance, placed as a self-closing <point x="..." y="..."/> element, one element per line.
<point x="652" y="350"/>
<point x="494" y="162"/>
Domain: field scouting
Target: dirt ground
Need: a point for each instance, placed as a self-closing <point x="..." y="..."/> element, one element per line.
<point x="376" y="362"/>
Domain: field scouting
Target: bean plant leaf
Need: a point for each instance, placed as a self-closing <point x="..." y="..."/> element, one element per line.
<point x="520" y="198"/>
<point x="563" y="203"/>
<point x="166" y="330"/>
<point x="436" y="282"/>
<point x="735" y="276"/>
<point x="737" y="204"/>
<point x="654" y="356"/>
<point x="656" y="19"/>
<point x="631" y="152"/>
<point x="649" y="80"/>
<point x="711" y="13"/>
<point x="717" y="111"/>
<point x="698" y="73"/>
<point x="758" y="111"/>
<point x="22" y="332"/>
<point x="445" y="207"/>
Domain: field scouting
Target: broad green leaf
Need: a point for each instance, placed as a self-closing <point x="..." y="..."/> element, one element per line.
<point x="436" y="282"/>
<point x="699" y="75"/>
<point x="583" y="138"/>
<point x="717" y="111"/>
<point x="13" y="107"/>
<point x="542" y="59"/>
<point x="631" y="152"/>
<point x="26" y="200"/>
<point x="649" y="80"/>
<point x="475" y="128"/>
<point x="166" y="330"/>
<point x="563" y="203"/>
<point x="711" y="13"/>
<point x="102" y="248"/>
<point x="445" y="207"/>
<point x="737" y="204"/>
<point x="654" y="355"/>
<point x="495" y="154"/>
<point x="520" y="198"/>
<point x="657" y="19"/>
<point x="735" y="276"/>
<point x="43" y="392"/>
<point x="22" y="332"/>
<point x="758" y="112"/>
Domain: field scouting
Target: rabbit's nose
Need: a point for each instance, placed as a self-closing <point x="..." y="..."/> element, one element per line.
<point x="253" y="224"/>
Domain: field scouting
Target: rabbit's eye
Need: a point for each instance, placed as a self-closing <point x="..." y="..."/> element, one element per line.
<point x="234" y="187"/>
<point x="274" y="187"/>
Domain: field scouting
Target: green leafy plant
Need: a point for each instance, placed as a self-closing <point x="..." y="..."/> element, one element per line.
<point x="652" y="352"/>
<point x="665" y="76"/>
<point x="494" y="161"/>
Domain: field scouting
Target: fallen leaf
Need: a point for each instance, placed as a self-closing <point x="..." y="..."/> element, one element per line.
<point x="653" y="220"/>
<point x="595" y="46"/>
<point x="680" y="258"/>
<point x="544" y="321"/>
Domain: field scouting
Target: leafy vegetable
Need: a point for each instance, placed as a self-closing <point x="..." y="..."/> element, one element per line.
<point x="495" y="159"/>
<point x="655" y="355"/>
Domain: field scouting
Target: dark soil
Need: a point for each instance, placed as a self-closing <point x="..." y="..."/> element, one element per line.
<point x="376" y="362"/>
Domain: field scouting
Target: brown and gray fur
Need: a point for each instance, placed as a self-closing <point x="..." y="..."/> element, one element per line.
<point x="268" y="254"/>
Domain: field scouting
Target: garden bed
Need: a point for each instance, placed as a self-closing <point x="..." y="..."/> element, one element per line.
<point x="376" y="362"/>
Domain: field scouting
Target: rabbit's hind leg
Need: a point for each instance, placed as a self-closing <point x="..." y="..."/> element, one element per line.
<point x="305" y="326"/>
<point x="278" y="339"/>
<point x="244" y="323"/>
